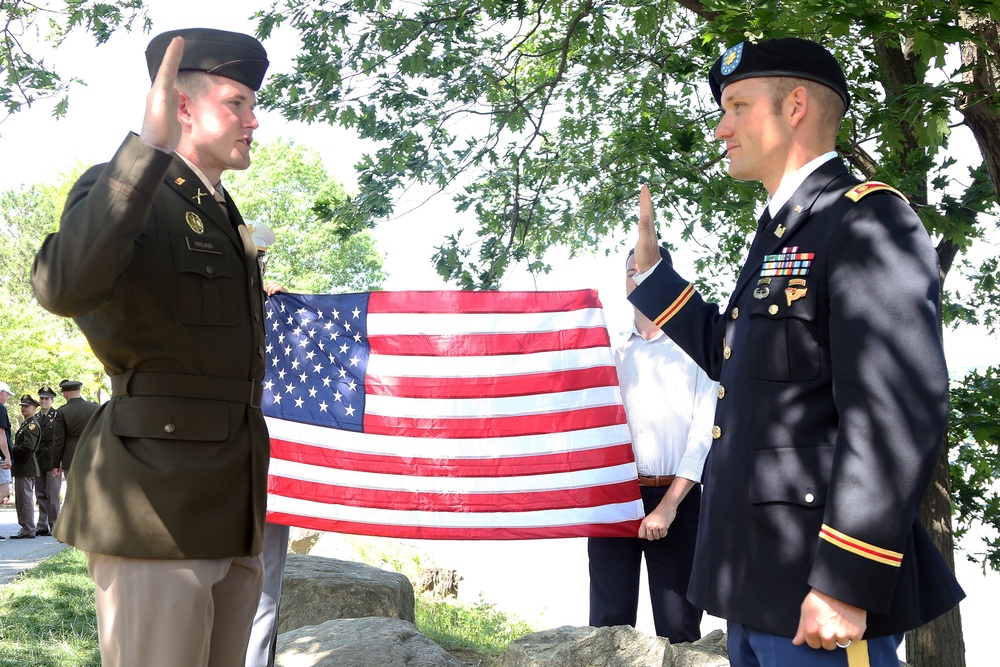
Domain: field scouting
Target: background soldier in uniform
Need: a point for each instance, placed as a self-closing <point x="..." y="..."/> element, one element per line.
<point x="153" y="261"/>
<point x="48" y="484"/>
<point x="25" y="468"/>
<point x="75" y="415"/>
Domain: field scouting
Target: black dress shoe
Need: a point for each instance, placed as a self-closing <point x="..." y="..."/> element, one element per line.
<point x="22" y="537"/>
<point x="42" y="533"/>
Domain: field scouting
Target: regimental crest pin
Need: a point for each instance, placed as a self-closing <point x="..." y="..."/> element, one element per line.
<point x="179" y="180"/>
<point x="731" y="59"/>
<point x="194" y="222"/>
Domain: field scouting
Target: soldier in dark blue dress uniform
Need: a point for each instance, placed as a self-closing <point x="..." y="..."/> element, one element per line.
<point x="833" y="391"/>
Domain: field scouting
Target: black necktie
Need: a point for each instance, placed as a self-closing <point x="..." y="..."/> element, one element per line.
<point x="764" y="219"/>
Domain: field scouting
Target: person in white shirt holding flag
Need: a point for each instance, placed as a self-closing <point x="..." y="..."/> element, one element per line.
<point x="670" y="404"/>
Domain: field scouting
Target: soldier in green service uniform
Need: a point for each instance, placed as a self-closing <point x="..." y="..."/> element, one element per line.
<point x="48" y="484"/>
<point x="25" y="468"/>
<point x="168" y="486"/>
<point x="75" y="415"/>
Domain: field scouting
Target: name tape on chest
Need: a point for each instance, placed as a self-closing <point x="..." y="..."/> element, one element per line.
<point x="789" y="262"/>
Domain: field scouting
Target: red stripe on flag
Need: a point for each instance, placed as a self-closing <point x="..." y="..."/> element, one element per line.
<point x="539" y="464"/>
<point x="482" y="302"/>
<point x="492" y="387"/>
<point x="494" y="427"/>
<point x="422" y="501"/>
<point x="477" y="345"/>
<point x="621" y="529"/>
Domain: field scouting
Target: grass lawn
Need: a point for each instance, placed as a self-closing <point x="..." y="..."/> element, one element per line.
<point x="47" y="620"/>
<point x="47" y="616"/>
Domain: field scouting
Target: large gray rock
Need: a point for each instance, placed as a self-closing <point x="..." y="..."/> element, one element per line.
<point x="361" y="642"/>
<point x="620" y="646"/>
<point x="709" y="651"/>
<point x="301" y="541"/>
<point x="317" y="589"/>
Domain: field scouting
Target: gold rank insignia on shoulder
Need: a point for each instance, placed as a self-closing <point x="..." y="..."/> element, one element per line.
<point x="860" y="190"/>
<point x="194" y="222"/>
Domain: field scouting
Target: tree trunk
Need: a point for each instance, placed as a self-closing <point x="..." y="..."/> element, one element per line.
<point x="941" y="641"/>
<point x="979" y="104"/>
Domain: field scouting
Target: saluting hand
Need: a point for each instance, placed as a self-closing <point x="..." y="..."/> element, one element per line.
<point x="647" y="252"/>
<point x="160" y="126"/>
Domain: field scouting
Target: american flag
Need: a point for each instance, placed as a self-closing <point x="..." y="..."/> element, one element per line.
<point x="447" y="415"/>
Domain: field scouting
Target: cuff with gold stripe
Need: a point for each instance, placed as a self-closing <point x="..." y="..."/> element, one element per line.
<point x="676" y="306"/>
<point x="860" y="548"/>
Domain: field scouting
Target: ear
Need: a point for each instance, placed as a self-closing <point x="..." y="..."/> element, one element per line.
<point x="796" y="105"/>
<point x="184" y="110"/>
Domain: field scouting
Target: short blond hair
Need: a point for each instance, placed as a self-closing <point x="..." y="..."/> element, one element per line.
<point x="194" y="83"/>
<point x="827" y="100"/>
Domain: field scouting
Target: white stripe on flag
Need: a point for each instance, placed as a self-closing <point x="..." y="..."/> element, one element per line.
<point x="536" y="518"/>
<point x="445" y="448"/>
<point x="447" y="408"/>
<point x="434" y="324"/>
<point x="502" y="364"/>
<point x="465" y="485"/>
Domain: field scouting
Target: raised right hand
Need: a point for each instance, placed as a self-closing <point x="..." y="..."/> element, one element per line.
<point x="647" y="252"/>
<point x="160" y="126"/>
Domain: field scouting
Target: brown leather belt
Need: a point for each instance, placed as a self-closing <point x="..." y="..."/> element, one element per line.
<point x="656" y="480"/>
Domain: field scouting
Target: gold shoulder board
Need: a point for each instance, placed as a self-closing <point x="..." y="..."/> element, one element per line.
<point x="864" y="189"/>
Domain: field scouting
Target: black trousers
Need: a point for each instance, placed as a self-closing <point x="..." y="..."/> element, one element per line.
<point x="615" y="564"/>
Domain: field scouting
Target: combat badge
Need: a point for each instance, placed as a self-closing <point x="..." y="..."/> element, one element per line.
<point x="796" y="290"/>
<point x="194" y="222"/>
<point x="762" y="290"/>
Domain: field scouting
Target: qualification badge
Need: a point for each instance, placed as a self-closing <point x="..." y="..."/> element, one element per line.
<point x="762" y="289"/>
<point x="194" y="222"/>
<point x="796" y="290"/>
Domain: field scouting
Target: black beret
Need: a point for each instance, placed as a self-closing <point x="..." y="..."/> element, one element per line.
<point x="46" y="391"/>
<point x="230" y="54"/>
<point x="70" y="385"/>
<point x="27" y="399"/>
<point x="788" y="56"/>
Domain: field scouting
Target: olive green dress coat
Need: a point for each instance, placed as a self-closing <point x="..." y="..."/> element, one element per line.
<point x="167" y="291"/>
<point x="75" y="415"/>
<point x="26" y="441"/>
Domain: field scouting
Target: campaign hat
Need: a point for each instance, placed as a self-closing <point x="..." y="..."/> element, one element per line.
<point x="230" y="54"/>
<point x="786" y="56"/>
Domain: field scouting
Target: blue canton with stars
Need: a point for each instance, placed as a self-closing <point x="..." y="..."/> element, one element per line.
<point x="317" y="356"/>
